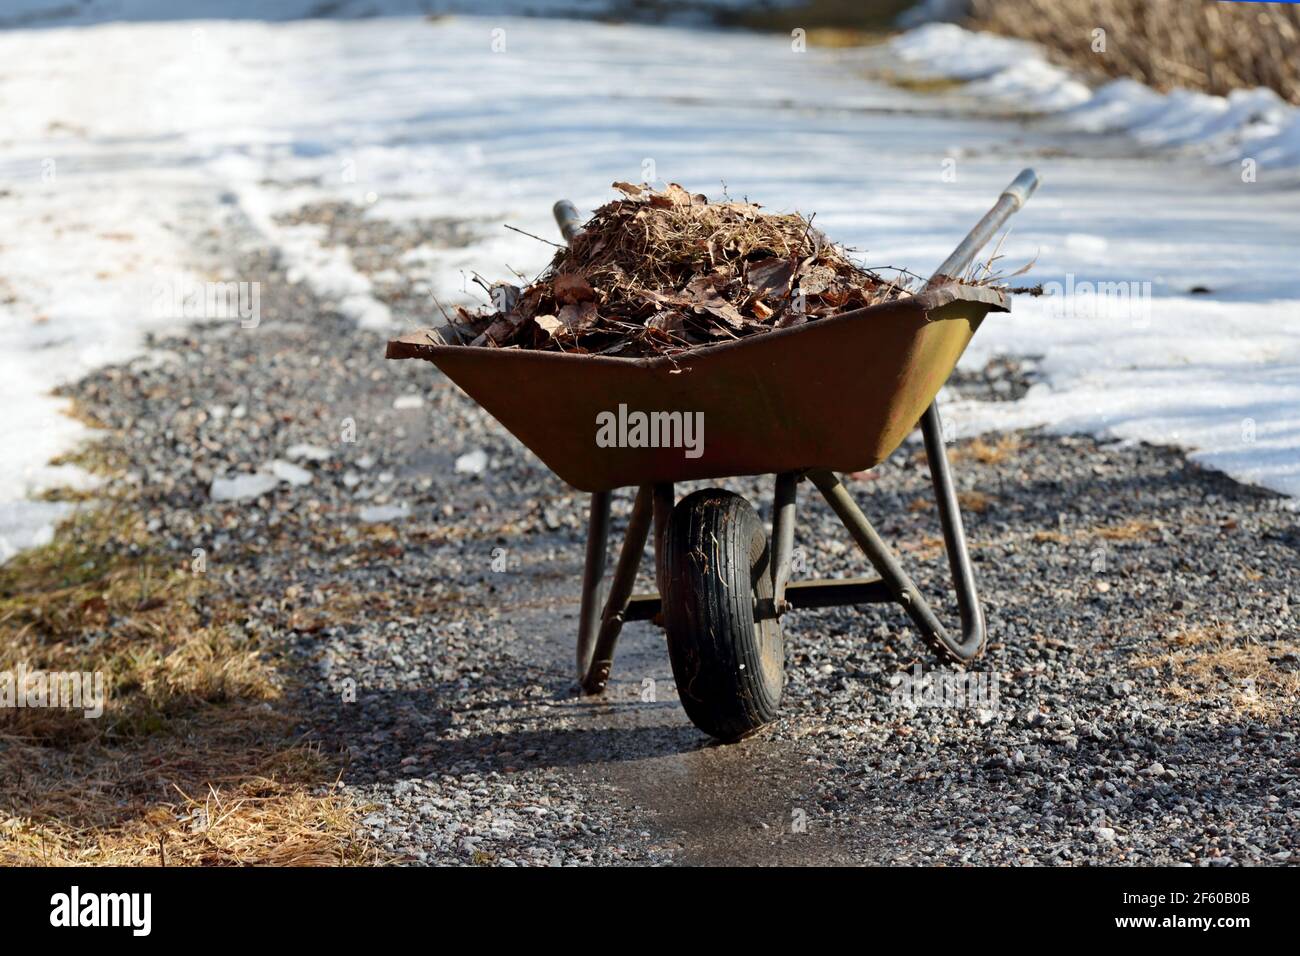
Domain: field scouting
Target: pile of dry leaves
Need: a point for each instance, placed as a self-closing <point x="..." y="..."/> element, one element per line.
<point x="660" y="272"/>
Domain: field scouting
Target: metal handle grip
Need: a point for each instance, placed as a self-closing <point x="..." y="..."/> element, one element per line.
<point x="1022" y="187"/>
<point x="1011" y="200"/>
<point x="567" y="218"/>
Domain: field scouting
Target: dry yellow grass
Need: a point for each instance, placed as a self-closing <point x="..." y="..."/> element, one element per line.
<point x="987" y="452"/>
<point x="257" y="823"/>
<point x="1212" y="661"/>
<point x="1128" y="531"/>
<point x="976" y="501"/>
<point x="194" y="759"/>
<point x="926" y="548"/>
<point x="1198" y="44"/>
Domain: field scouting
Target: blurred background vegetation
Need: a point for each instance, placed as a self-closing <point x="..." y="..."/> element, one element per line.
<point x="1206" y="45"/>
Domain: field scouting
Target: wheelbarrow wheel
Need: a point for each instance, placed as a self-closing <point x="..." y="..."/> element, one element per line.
<point x="729" y="667"/>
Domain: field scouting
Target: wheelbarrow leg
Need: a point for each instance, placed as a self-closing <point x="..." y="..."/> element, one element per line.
<point x="592" y="572"/>
<point x="891" y="572"/>
<point x="783" y="517"/>
<point x="954" y="535"/>
<point x="620" y="591"/>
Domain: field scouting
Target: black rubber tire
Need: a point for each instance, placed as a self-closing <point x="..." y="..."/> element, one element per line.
<point x="730" y="671"/>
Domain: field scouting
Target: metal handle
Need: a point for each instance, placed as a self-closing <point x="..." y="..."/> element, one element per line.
<point x="567" y="218"/>
<point x="1022" y="187"/>
<point x="1010" y="202"/>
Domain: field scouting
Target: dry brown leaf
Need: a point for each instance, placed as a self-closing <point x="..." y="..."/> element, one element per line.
<point x="552" y="326"/>
<point x="703" y="295"/>
<point x="678" y="195"/>
<point x="578" y="317"/>
<point x="672" y="322"/>
<point x="569" y="287"/>
<point x="814" y="280"/>
<point x="771" y="276"/>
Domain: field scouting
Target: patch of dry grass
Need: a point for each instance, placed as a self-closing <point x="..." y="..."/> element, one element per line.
<point x="1128" y="530"/>
<point x="976" y="501"/>
<point x="194" y="759"/>
<point x="1198" y="44"/>
<point x="986" y="452"/>
<point x="1131" y="530"/>
<point x="1214" y="662"/>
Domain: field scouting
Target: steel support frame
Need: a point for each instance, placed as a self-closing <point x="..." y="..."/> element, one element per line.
<point x="599" y="628"/>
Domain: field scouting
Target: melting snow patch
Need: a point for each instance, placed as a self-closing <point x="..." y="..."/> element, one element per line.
<point x="1254" y="123"/>
<point x="267" y="478"/>
<point x="377" y="514"/>
<point x="308" y="452"/>
<point x="404" y="402"/>
<point x="28" y="524"/>
<point x="472" y="463"/>
<point x="295" y="475"/>
<point x="243" y="487"/>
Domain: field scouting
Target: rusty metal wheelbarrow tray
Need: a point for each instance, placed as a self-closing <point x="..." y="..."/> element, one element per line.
<point x="839" y="393"/>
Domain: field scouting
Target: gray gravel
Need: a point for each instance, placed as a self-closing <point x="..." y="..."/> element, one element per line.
<point x="1130" y="595"/>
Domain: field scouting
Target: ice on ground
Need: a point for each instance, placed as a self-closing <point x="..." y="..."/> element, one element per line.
<point x="378" y="514"/>
<point x="288" y="472"/>
<point x="308" y="452"/>
<point x="472" y="463"/>
<point x="267" y="478"/>
<point x="29" y="524"/>
<point x="91" y="197"/>
<point x="243" y="487"/>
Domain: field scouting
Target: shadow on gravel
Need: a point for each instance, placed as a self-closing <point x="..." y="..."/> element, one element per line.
<point x="420" y="735"/>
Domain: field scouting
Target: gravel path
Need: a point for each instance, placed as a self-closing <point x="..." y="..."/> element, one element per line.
<point x="1143" y="651"/>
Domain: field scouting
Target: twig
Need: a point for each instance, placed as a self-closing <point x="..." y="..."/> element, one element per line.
<point x="531" y="236"/>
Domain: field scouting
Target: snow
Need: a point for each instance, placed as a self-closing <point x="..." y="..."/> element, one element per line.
<point x="1247" y="124"/>
<point x="380" y="514"/>
<point x="288" y="472"/>
<point x="1011" y="70"/>
<point x="243" y="487"/>
<point x="472" y="463"/>
<point x="268" y="477"/>
<point x="308" y="452"/>
<point x="158" y="131"/>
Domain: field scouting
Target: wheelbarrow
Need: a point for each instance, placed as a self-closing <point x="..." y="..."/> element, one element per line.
<point x="838" y="394"/>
